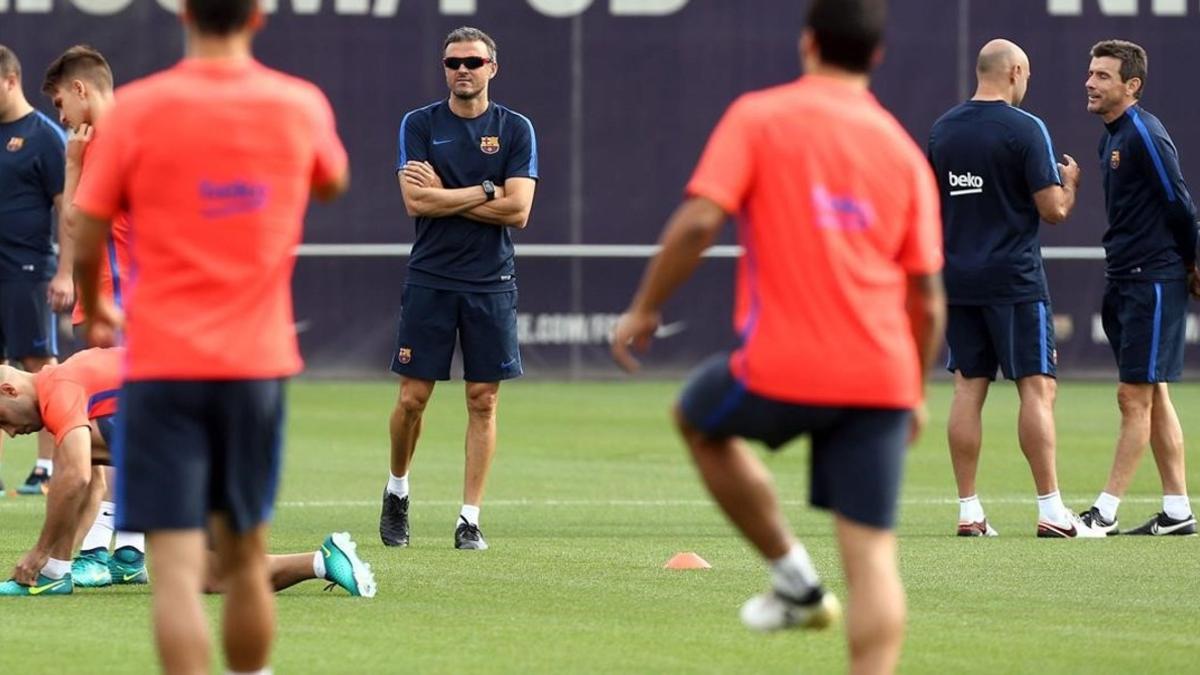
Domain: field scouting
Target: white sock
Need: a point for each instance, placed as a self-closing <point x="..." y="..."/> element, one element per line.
<point x="794" y="573"/>
<point x="102" y="530"/>
<point x="264" y="671"/>
<point x="970" y="510"/>
<point x="1052" y="509"/>
<point x="56" y="569"/>
<point x="398" y="485"/>
<point x="47" y="464"/>
<point x="471" y="513"/>
<point x="1107" y="504"/>
<point x="319" y="565"/>
<point x="135" y="540"/>
<point x="1177" y="506"/>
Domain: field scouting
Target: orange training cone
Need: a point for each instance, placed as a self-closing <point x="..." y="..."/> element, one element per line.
<point x="686" y="561"/>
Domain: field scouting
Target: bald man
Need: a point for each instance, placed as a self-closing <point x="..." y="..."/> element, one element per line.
<point x="999" y="178"/>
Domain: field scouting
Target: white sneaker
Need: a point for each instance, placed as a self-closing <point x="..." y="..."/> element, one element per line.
<point x="1074" y="528"/>
<point x="773" y="611"/>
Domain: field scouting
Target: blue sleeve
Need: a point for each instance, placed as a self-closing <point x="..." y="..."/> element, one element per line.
<point x="413" y="145"/>
<point x="1163" y="160"/>
<point x="52" y="160"/>
<point x="522" y="156"/>
<point x="1041" y="167"/>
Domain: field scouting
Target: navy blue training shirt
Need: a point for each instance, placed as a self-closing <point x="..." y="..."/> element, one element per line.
<point x="453" y="252"/>
<point x="32" y="164"/>
<point x="1151" y="218"/>
<point x="990" y="158"/>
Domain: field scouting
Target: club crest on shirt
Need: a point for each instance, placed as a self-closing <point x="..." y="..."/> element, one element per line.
<point x="490" y="145"/>
<point x="15" y="143"/>
<point x="404" y="355"/>
<point x="1114" y="160"/>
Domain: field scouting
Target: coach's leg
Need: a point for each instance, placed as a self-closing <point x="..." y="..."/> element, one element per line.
<point x="177" y="560"/>
<point x="1135" y="402"/>
<point x="482" y="401"/>
<point x="876" y="610"/>
<point x="964" y="430"/>
<point x="1035" y="429"/>
<point x="405" y="423"/>
<point x="249" y="614"/>
<point x="1166" y="441"/>
<point x="742" y="487"/>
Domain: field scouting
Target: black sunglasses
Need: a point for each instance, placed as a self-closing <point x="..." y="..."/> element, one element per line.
<point x="471" y="62"/>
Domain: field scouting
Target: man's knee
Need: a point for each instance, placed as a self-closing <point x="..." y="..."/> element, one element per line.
<point x="482" y="400"/>
<point x="1037" y="389"/>
<point x="414" y="397"/>
<point x="1135" y="400"/>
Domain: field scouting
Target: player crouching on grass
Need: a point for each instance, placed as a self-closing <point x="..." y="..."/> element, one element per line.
<point x="76" y="402"/>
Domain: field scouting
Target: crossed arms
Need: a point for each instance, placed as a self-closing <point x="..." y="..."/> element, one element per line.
<point x="424" y="195"/>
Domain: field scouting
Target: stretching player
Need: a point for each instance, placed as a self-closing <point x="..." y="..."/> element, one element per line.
<point x="75" y="402"/>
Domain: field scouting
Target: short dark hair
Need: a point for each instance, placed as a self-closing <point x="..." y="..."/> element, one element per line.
<point x="80" y="62"/>
<point x="848" y="32"/>
<point x="9" y="63"/>
<point x="220" y="17"/>
<point x="1134" y="61"/>
<point x="469" y="34"/>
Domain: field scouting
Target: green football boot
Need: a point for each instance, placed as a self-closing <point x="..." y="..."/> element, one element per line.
<point x="344" y="568"/>
<point x="128" y="566"/>
<point x="89" y="569"/>
<point x="44" y="586"/>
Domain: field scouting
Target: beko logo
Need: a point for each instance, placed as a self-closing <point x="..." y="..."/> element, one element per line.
<point x="375" y="8"/>
<point x="1119" y="7"/>
<point x="967" y="184"/>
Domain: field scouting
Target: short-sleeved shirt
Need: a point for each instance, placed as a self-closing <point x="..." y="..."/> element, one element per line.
<point x="32" y="165"/>
<point x="454" y="252"/>
<point x="990" y="158"/>
<point x="82" y="388"/>
<point x="213" y="162"/>
<point x="836" y="206"/>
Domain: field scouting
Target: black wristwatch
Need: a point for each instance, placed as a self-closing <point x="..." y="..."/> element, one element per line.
<point x="489" y="190"/>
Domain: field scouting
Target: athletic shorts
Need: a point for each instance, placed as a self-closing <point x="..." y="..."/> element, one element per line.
<point x="432" y="321"/>
<point x="187" y="449"/>
<point x="107" y="427"/>
<point x="27" y="326"/>
<point x="1017" y="338"/>
<point x="1145" y="322"/>
<point x="857" y="459"/>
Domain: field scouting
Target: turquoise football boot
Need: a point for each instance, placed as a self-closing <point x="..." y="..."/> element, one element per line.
<point x="344" y="568"/>
<point x="128" y="566"/>
<point x="89" y="569"/>
<point x="44" y="586"/>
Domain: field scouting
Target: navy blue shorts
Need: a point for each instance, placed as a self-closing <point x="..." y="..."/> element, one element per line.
<point x="108" y="429"/>
<point x="27" y="326"/>
<point x="1145" y="322"/>
<point x="433" y="320"/>
<point x="857" y="459"/>
<point x="188" y="449"/>
<point x="1018" y="339"/>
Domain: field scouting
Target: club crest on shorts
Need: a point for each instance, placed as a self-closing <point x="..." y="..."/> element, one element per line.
<point x="404" y="355"/>
<point x="1114" y="160"/>
<point x="15" y="143"/>
<point x="490" y="145"/>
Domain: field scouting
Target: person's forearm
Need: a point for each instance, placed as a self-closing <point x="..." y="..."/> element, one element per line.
<point x="927" y="319"/>
<point x="431" y="202"/>
<point x="506" y="211"/>
<point x="65" y="498"/>
<point x="683" y="244"/>
<point x="90" y="235"/>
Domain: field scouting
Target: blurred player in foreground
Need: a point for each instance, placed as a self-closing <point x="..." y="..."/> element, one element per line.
<point x="840" y="308"/>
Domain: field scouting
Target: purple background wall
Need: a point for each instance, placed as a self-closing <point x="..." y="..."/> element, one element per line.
<point x="623" y="96"/>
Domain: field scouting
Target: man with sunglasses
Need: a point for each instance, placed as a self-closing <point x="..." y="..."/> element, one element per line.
<point x="467" y="170"/>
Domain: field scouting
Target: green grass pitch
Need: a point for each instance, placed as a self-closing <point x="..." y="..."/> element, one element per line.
<point x="591" y="493"/>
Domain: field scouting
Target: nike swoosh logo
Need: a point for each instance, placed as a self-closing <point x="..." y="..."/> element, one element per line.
<point x="38" y="590"/>
<point x="108" y="514"/>
<point x="131" y="577"/>
<point x="443" y="142"/>
<point x="508" y="364"/>
<point x="326" y="552"/>
<point x="670" y="329"/>
<point x="41" y="343"/>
